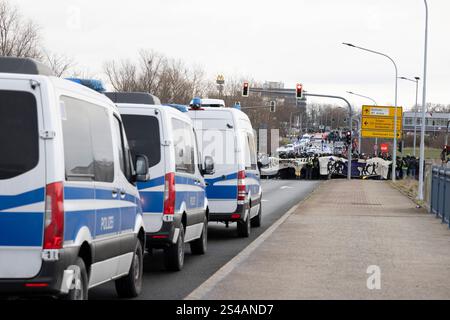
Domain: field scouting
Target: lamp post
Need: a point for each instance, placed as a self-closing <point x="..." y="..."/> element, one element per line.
<point x="394" y="160"/>
<point x="424" y="107"/>
<point x="375" y="104"/>
<point x="416" y="81"/>
<point x="366" y="97"/>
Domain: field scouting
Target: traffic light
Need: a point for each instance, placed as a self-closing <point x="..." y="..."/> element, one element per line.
<point x="246" y="89"/>
<point x="273" y="106"/>
<point x="299" y="91"/>
<point x="348" y="137"/>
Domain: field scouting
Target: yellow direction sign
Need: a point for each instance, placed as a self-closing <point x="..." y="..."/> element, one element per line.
<point x="380" y="134"/>
<point x="375" y="111"/>
<point x="379" y="123"/>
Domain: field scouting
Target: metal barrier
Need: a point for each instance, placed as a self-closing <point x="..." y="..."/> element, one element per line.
<point x="440" y="193"/>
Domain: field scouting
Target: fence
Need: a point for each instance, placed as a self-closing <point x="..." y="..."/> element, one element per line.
<point x="440" y="193"/>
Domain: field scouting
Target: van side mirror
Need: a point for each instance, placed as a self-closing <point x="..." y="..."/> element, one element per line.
<point x="142" y="171"/>
<point x="208" y="166"/>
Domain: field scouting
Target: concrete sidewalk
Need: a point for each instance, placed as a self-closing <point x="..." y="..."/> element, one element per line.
<point x="324" y="248"/>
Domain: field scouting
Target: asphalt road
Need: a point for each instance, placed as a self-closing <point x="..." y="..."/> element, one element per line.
<point x="223" y="245"/>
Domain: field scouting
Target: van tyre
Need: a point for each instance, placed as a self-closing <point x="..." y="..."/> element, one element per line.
<point x="174" y="255"/>
<point x="80" y="282"/>
<point x="199" y="246"/>
<point x="244" y="227"/>
<point x="256" y="221"/>
<point x="130" y="286"/>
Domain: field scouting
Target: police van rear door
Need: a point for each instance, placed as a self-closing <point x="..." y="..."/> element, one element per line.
<point x="22" y="179"/>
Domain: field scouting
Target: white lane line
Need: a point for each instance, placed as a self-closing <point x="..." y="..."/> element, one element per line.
<point x="209" y="284"/>
<point x="286" y="187"/>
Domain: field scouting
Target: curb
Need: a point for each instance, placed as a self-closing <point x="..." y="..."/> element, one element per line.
<point x="208" y="285"/>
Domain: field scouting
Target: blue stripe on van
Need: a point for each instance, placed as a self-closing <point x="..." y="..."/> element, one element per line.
<point x="9" y="202"/>
<point x="76" y="220"/>
<point x="221" y="192"/>
<point x="73" y="193"/>
<point x="152" y="201"/>
<point x="21" y="229"/>
<point x="152" y="183"/>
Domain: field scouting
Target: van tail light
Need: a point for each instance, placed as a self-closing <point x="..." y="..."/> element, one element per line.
<point x="54" y="216"/>
<point x="169" y="194"/>
<point x="242" y="193"/>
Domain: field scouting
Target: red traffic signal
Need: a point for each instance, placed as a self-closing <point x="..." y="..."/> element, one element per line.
<point x="299" y="91"/>
<point x="246" y="89"/>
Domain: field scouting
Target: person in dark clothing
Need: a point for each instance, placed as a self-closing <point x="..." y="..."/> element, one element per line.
<point x="412" y="167"/>
<point x="309" y="167"/>
<point x="316" y="167"/>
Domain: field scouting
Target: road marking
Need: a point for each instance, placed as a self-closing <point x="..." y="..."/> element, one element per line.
<point x="208" y="285"/>
<point x="264" y="200"/>
<point x="286" y="187"/>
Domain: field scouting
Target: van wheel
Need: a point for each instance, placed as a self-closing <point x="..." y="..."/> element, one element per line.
<point x="200" y="245"/>
<point x="174" y="255"/>
<point x="80" y="282"/>
<point x="256" y="221"/>
<point x="130" y="286"/>
<point x="243" y="227"/>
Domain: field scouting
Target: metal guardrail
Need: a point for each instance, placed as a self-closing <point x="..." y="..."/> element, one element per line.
<point x="440" y="193"/>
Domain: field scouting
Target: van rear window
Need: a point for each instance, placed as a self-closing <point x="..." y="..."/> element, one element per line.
<point x="19" y="134"/>
<point x="143" y="136"/>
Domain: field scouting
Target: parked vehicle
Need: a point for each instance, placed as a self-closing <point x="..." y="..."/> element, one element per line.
<point x="234" y="189"/>
<point x="70" y="215"/>
<point x="174" y="200"/>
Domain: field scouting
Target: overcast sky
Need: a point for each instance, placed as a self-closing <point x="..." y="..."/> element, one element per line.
<point x="287" y="40"/>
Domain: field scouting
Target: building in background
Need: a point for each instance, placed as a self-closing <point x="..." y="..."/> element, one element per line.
<point x="436" y="122"/>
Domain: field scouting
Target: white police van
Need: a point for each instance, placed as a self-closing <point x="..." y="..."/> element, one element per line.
<point x="70" y="216"/>
<point x="174" y="200"/>
<point x="234" y="190"/>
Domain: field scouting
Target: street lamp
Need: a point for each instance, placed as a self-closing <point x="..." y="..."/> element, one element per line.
<point x="394" y="160"/>
<point x="366" y="97"/>
<point x="416" y="80"/>
<point x="424" y="107"/>
<point x="375" y="104"/>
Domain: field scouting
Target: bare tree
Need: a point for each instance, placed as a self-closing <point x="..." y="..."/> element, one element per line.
<point x="169" y="79"/>
<point x="60" y="64"/>
<point x="19" y="37"/>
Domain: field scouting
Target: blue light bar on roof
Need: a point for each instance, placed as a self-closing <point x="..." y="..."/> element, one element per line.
<point x="179" y="107"/>
<point x="93" y="84"/>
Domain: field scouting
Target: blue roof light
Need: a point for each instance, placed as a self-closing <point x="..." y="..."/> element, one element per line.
<point x="93" y="84"/>
<point x="196" y="102"/>
<point x="179" y="107"/>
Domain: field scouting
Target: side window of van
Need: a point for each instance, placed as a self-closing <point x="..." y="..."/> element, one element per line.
<point x="88" y="148"/>
<point x="250" y="152"/>
<point x="183" y="137"/>
<point x="253" y="156"/>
